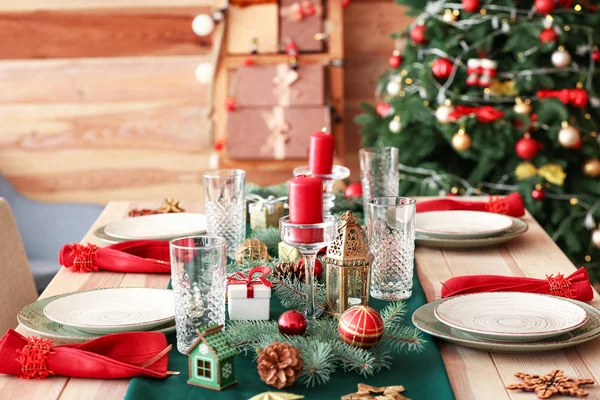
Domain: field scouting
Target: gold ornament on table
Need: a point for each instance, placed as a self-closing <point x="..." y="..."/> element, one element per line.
<point x="461" y="140"/>
<point x="348" y="267"/>
<point x="276" y="396"/>
<point x="368" y="392"/>
<point x="251" y="250"/>
<point x="170" y="206"/>
<point x="522" y="107"/>
<point x="591" y="168"/>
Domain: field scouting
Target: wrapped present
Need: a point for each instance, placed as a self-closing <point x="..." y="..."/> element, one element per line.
<point x="249" y="296"/>
<point x="266" y="213"/>
<point x="288" y="87"/>
<point x="288" y="253"/>
<point x="252" y="27"/>
<point x="301" y="20"/>
<point x="274" y="133"/>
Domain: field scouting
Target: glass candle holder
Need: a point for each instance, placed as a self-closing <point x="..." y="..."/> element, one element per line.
<point x="225" y="206"/>
<point x="391" y="234"/>
<point x="308" y="239"/>
<point x="379" y="173"/>
<point x="337" y="173"/>
<point x="198" y="278"/>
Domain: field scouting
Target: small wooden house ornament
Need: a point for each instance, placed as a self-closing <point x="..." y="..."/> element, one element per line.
<point x="211" y="360"/>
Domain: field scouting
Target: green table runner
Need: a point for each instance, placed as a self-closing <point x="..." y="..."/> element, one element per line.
<point x="422" y="374"/>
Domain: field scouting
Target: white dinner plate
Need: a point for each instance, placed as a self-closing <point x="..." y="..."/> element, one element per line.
<point x="511" y="316"/>
<point x="157" y="226"/>
<point x="463" y="224"/>
<point x="113" y="310"/>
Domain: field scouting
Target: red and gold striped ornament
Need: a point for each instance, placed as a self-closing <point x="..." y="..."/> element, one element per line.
<point x="361" y="326"/>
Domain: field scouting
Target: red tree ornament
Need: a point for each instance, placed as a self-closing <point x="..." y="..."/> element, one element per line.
<point x="395" y="60"/>
<point x="548" y="35"/>
<point x="544" y="6"/>
<point x="353" y="190"/>
<point x="471" y="6"/>
<point x="538" y="194"/>
<point x="230" y="103"/>
<point x="318" y="267"/>
<point x="292" y="322"/>
<point x="577" y="145"/>
<point x="442" y="68"/>
<point x="383" y="109"/>
<point x="417" y="34"/>
<point x="596" y="54"/>
<point x="361" y="326"/>
<point x="527" y="147"/>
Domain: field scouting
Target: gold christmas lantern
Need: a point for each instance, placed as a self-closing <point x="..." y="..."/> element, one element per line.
<point x="348" y="267"/>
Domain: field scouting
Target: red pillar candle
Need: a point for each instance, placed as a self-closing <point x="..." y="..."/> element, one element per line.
<point x="306" y="200"/>
<point x="320" y="156"/>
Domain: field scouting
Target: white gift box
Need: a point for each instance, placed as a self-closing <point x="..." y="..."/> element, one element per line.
<point x="243" y="308"/>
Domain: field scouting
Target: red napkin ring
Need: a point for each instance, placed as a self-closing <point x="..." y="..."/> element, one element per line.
<point x="240" y="279"/>
<point x="33" y="358"/>
<point x="84" y="257"/>
<point x="560" y="286"/>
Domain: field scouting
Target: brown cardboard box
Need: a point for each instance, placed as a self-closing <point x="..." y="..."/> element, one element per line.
<point x="302" y="32"/>
<point x="259" y="21"/>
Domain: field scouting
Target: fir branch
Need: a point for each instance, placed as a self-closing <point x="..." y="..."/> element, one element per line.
<point x="402" y="338"/>
<point x="291" y="294"/>
<point x="247" y="335"/>
<point x="324" y="329"/>
<point x="354" y="359"/>
<point x="393" y="314"/>
<point x="383" y="358"/>
<point x="319" y="362"/>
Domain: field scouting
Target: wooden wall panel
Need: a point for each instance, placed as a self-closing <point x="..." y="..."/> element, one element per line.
<point x="62" y="5"/>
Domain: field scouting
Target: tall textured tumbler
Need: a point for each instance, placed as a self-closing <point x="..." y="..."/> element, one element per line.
<point x="225" y="206"/>
<point x="379" y="173"/>
<point x="198" y="278"/>
<point x="391" y="231"/>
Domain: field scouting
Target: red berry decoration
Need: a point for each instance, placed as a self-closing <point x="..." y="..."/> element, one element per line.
<point x="548" y="35"/>
<point x="361" y="326"/>
<point x="596" y="55"/>
<point x="318" y="267"/>
<point x="538" y="194"/>
<point x="230" y="103"/>
<point x="471" y="6"/>
<point x="248" y="62"/>
<point x="383" y="109"/>
<point x="544" y="6"/>
<point x="395" y="60"/>
<point x="442" y="68"/>
<point x="527" y="148"/>
<point x="292" y="323"/>
<point x="417" y="34"/>
<point x="353" y="190"/>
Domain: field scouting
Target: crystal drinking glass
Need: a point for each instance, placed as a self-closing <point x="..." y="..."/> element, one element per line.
<point x="308" y="239"/>
<point x="198" y="278"/>
<point x="225" y="206"/>
<point x="379" y="173"/>
<point x="391" y="232"/>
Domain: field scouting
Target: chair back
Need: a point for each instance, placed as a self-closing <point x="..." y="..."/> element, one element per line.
<point x="16" y="281"/>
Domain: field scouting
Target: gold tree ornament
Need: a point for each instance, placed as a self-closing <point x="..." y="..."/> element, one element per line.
<point x="170" y="206"/>
<point x="348" y="267"/>
<point x="251" y="250"/>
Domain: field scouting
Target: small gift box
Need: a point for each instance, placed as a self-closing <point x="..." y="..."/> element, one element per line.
<point x="249" y="296"/>
<point x="288" y="253"/>
<point x="266" y="213"/>
<point x="301" y="20"/>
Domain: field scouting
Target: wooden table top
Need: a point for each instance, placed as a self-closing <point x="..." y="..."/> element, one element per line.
<point x="473" y="374"/>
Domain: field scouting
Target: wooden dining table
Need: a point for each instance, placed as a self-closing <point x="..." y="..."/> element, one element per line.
<point x="473" y="374"/>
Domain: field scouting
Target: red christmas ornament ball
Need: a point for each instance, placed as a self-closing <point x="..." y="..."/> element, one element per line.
<point x="417" y="34"/>
<point x="527" y="148"/>
<point x="471" y="6"/>
<point x="383" y="109"/>
<point x="353" y="190"/>
<point x="395" y="60"/>
<point x="577" y="145"/>
<point x="544" y="6"/>
<point x="596" y="55"/>
<point x="292" y="322"/>
<point x="538" y="194"/>
<point x="230" y="103"/>
<point x="548" y="35"/>
<point x="345" y="3"/>
<point x="361" y="326"/>
<point x="318" y="267"/>
<point x="442" y="68"/>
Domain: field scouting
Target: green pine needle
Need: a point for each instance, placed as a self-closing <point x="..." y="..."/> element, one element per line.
<point x="393" y="313"/>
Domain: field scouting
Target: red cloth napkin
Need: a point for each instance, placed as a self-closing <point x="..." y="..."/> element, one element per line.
<point x="116" y="356"/>
<point x="510" y="205"/>
<point x="575" y="286"/>
<point x="140" y="256"/>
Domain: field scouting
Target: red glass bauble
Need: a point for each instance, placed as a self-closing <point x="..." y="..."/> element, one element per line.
<point x="548" y="35"/>
<point x="230" y="104"/>
<point x="383" y="109"/>
<point x="578" y="145"/>
<point x="318" y="267"/>
<point x="544" y="6"/>
<point x="417" y="34"/>
<point x="471" y="5"/>
<point x="292" y="323"/>
<point x="353" y="190"/>
<point x="361" y="326"/>
<point x="578" y="97"/>
<point x="395" y="61"/>
<point x="527" y="148"/>
<point x="442" y="68"/>
<point x="538" y="194"/>
<point x="596" y="55"/>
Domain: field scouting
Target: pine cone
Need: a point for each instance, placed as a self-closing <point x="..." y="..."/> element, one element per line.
<point x="279" y="364"/>
<point x="290" y="270"/>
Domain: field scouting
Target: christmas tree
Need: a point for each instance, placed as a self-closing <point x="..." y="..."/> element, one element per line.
<point x="490" y="97"/>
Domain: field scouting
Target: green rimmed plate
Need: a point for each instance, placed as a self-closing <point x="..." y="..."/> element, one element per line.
<point x="425" y="320"/>
<point x="517" y="229"/>
<point x="32" y="317"/>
